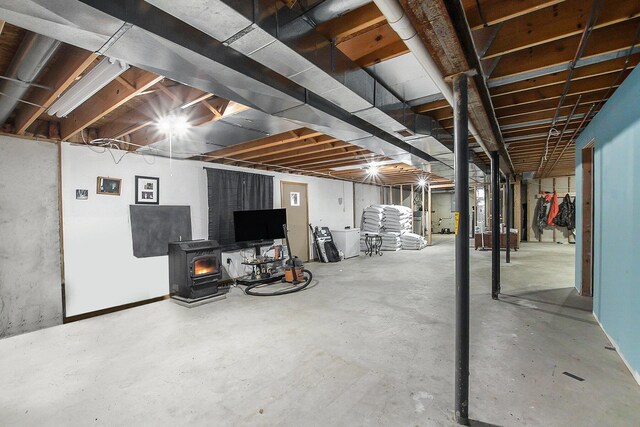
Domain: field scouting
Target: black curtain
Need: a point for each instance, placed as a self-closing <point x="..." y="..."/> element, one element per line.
<point x="230" y="191"/>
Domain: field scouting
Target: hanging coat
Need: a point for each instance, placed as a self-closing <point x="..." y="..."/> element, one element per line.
<point x="541" y="213"/>
<point x="566" y="213"/>
<point x="553" y="209"/>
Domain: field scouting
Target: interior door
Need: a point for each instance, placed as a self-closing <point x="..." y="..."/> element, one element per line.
<point x="587" y="222"/>
<point x="294" y="199"/>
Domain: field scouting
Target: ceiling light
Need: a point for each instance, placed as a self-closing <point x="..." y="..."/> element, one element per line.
<point x="422" y="182"/>
<point x="373" y="170"/>
<point x="101" y="75"/>
<point x="174" y="125"/>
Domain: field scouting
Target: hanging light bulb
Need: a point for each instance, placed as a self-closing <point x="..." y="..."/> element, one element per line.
<point x="173" y="124"/>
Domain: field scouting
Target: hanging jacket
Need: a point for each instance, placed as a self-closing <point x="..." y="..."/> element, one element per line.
<point x="566" y="213"/>
<point x="553" y="209"/>
<point x="541" y="213"/>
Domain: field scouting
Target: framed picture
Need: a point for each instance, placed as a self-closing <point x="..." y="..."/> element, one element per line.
<point x="295" y="198"/>
<point x="147" y="190"/>
<point x="110" y="186"/>
<point x="82" y="194"/>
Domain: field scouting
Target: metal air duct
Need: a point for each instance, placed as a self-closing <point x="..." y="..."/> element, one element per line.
<point x="32" y="55"/>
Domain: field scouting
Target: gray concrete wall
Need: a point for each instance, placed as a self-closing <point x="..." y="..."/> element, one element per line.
<point x="30" y="289"/>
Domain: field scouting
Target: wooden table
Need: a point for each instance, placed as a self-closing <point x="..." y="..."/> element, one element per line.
<point x="515" y="241"/>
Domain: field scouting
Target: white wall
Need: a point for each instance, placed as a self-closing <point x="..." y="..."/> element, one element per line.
<point x="442" y="203"/>
<point x="30" y="281"/>
<point x="365" y="196"/>
<point x="100" y="268"/>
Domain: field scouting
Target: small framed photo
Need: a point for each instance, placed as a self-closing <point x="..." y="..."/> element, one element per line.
<point x="110" y="186"/>
<point x="82" y="194"/>
<point x="147" y="190"/>
<point x="295" y="198"/>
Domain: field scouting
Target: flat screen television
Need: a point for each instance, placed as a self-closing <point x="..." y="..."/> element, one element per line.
<point x="266" y="224"/>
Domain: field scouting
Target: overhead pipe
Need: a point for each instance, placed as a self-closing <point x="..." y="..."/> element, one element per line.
<point x="32" y="55"/>
<point x="401" y="24"/>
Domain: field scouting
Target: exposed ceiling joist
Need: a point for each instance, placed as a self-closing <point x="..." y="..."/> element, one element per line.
<point x="270" y="141"/>
<point x="565" y="19"/>
<point x="351" y="22"/>
<point x="106" y="100"/>
<point x="613" y="66"/>
<point x="76" y="61"/>
<point x="602" y="40"/>
<point x="495" y="11"/>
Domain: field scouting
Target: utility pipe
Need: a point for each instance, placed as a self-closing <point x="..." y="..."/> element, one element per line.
<point x="461" y="152"/>
<point x="401" y="24"/>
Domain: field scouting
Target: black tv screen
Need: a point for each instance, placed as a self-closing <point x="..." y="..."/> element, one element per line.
<point x="259" y="225"/>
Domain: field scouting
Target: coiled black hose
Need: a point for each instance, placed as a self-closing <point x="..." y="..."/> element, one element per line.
<point x="308" y="277"/>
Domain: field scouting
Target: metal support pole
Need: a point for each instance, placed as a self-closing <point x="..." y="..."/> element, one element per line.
<point x="495" y="225"/>
<point x="423" y="216"/>
<point x="461" y="151"/>
<point x="508" y="219"/>
<point x="429" y="219"/>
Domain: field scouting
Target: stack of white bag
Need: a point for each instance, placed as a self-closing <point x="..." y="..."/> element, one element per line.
<point x="396" y="218"/>
<point x="391" y="241"/>
<point x="371" y="219"/>
<point x="413" y="241"/>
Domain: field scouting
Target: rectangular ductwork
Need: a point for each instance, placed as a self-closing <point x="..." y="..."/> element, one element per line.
<point x="277" y="64"/>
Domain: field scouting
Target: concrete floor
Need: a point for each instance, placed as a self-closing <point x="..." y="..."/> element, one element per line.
<point x="371" y="344"/>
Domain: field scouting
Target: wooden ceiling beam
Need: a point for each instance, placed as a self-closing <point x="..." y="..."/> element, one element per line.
<point x="270" y="141"/>
<point x="60" y="78"/>
<point x="390" y="51"/>
<point x="323" y="144"/>
<point x="378" y="44"/>
<point x="496" y="11"/>
<point x="588" y="71"/>
<point x="538" y="116"/>
<point x="602" y="40"/>
<point x="351" y="22"/>
<point x="106" y="100"/>
<point x="548" y="104"/>
<point x="599" y="84"/>
<point x="431" y="106"/>
<point x="565" y="19"/>
<point x="315" y="158"/>
<point x="144" y="115"/>
<point x="284" y="150"/>
<point x="326" y="167"/>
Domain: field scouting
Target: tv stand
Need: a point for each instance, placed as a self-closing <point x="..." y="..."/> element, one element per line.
<point x="259" y="275"/>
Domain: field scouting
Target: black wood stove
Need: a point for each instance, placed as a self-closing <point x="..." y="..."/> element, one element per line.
<point x="195" y="270"/>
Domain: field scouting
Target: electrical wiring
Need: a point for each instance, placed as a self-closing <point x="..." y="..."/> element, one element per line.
<point x="594" y="15"/>
<point x="102" y="142"/>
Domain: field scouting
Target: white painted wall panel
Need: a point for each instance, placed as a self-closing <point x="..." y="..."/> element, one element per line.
<point x="100" y="268"/>
<point x="365" y="195"/>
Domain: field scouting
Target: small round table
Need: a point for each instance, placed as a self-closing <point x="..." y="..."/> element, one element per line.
<point x="373" y="242"/>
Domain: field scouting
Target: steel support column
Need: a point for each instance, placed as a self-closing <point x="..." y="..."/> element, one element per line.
<point x="495" y="225"/>
<point x="508" y="218"/>
<point x="461" y="151"/>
